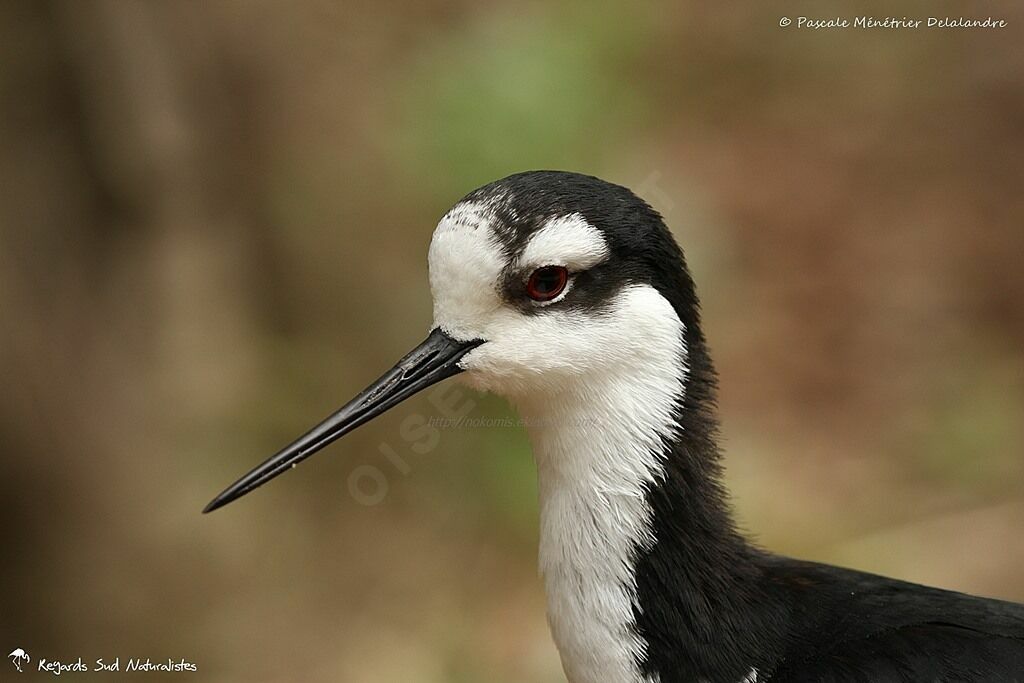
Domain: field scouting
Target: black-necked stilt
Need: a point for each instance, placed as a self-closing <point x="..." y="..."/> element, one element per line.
<point x="569" y="296"/>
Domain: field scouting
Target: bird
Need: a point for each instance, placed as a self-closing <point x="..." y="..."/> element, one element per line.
<point x="568" y="295"/>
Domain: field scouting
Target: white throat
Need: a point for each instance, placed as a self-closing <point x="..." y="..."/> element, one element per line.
<point x="599" y="388"/>
<point x="599" y="445"/>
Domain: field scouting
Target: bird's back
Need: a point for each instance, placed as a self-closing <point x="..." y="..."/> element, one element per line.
<point x="846" y="625"/>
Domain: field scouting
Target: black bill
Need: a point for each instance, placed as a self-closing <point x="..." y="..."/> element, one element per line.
<point x="432" y="361"/>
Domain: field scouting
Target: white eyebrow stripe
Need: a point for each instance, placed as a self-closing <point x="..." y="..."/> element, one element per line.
<point x="565" y="241"/>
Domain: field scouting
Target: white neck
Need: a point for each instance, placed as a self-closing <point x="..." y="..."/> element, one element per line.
<point x="599" y="446"/>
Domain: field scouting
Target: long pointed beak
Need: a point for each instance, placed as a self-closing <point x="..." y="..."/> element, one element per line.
<point x="432" y="361"/>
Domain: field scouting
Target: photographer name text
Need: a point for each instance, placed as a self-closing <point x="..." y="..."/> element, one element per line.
<point x="866" y="22"/>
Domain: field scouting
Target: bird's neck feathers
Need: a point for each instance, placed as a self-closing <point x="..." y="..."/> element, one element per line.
<point x="700" y="591"/>
<point x="631" y="504"/>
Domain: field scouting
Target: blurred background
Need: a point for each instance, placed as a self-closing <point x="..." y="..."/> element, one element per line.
<point x="214" y="220"/>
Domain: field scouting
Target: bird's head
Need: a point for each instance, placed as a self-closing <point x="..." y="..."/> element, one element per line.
<point x="560" y="276"/>
<point x="543" y="282"/>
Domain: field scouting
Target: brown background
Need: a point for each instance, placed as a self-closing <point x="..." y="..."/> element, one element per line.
<point x="213" y="227"/>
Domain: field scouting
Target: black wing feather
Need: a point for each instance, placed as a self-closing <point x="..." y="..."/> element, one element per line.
<point x="922" y="653"/>
<point x="850" y="626"/>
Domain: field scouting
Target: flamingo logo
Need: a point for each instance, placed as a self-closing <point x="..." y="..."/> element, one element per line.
<point x="19" y="656"/>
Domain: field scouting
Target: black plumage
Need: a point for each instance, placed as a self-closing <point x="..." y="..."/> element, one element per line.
<point x="707" y="605"/>
<point x="711" y="606"/>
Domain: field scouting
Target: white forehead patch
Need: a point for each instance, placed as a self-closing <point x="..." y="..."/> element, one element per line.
<point x="465" y="260"/>
<point x="471" y="215"/>
<point x="565" y="241"/>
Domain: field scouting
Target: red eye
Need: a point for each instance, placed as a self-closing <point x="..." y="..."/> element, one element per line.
<point x="546" y="283"/>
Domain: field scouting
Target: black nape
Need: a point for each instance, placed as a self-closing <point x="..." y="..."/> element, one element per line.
<point x="710" y="606"/>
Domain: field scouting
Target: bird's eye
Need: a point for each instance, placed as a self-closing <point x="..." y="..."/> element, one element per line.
<point x="546" y="283"/>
